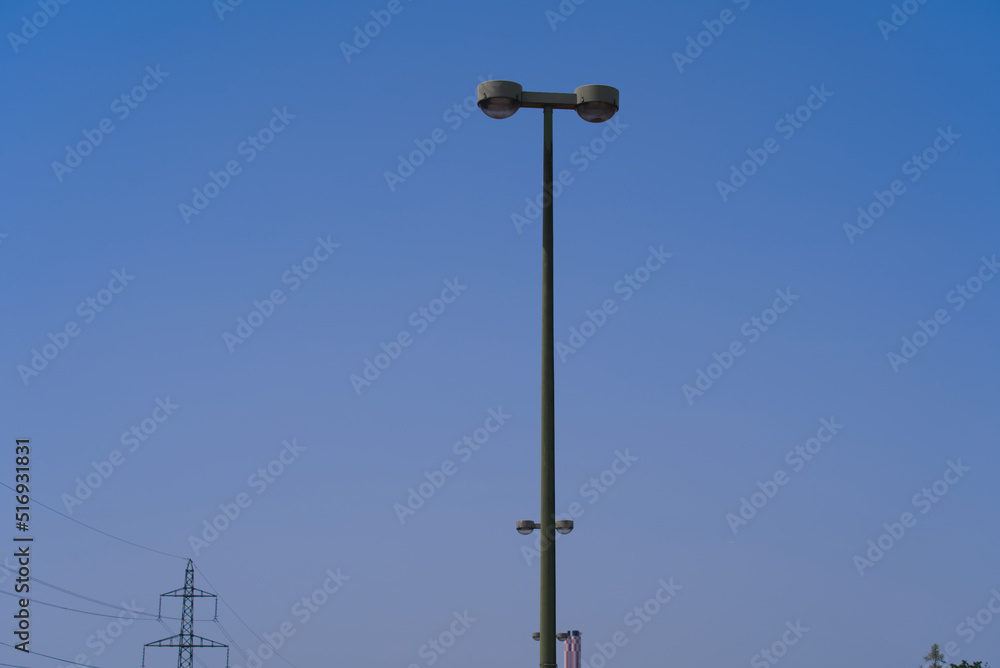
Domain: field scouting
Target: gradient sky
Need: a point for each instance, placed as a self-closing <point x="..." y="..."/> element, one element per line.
<point x="344" y="122"/>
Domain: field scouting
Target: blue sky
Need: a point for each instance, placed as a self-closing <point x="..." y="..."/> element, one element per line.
<point x="741" y="320"/>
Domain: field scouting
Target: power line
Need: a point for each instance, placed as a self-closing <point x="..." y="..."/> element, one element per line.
<point x="150" y="617"/>
<point x="255" y="634"/>
<point x="232" y="640"/>
<point x="54" y="658"/>
<point x="71" y="593"/>
<point x="105" y="533"/>
<point x="35" y="601"/>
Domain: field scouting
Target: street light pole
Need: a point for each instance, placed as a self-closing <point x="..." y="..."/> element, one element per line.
<point x="595" y="104"/>
<point x="547" y="621"/>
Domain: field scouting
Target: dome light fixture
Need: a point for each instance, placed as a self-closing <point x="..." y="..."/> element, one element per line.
<point x="524" y="527"/>
<point x="596" y="104"/>
<point x="564" y="526"/>
<point x="499" y="99"/>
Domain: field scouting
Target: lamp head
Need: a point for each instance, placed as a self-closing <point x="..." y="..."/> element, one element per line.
<point x="499" y="99"/>
<point x="564" y="526"/>
<point x="596" y="104"/>
<point x="524" y="527"/>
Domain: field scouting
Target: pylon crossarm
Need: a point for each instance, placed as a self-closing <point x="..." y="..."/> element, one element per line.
<point x="206" y="642"/>
<point x="194" y="592"/>
<point x="168" y="642"/>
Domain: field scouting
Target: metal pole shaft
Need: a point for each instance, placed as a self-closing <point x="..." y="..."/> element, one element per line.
<point x="547" y="625"/>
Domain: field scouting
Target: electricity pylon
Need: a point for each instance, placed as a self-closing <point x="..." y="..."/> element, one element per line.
<point x="186" y="640"/>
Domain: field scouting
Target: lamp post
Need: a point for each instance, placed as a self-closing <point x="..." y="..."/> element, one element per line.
<point x="595" y="104"/>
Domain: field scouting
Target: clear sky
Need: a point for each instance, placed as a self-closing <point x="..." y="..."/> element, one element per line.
<point x="775" y="313"/>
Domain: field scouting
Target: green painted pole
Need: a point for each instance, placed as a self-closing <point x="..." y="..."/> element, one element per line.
<point x="547" y="625"/>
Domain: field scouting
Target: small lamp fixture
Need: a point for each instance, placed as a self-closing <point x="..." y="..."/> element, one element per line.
<point x="524" y="527"/>
<point x="564" y="526"/>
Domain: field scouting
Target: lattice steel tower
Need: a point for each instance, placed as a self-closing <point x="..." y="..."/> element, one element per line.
<point x="186" y="640"/>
